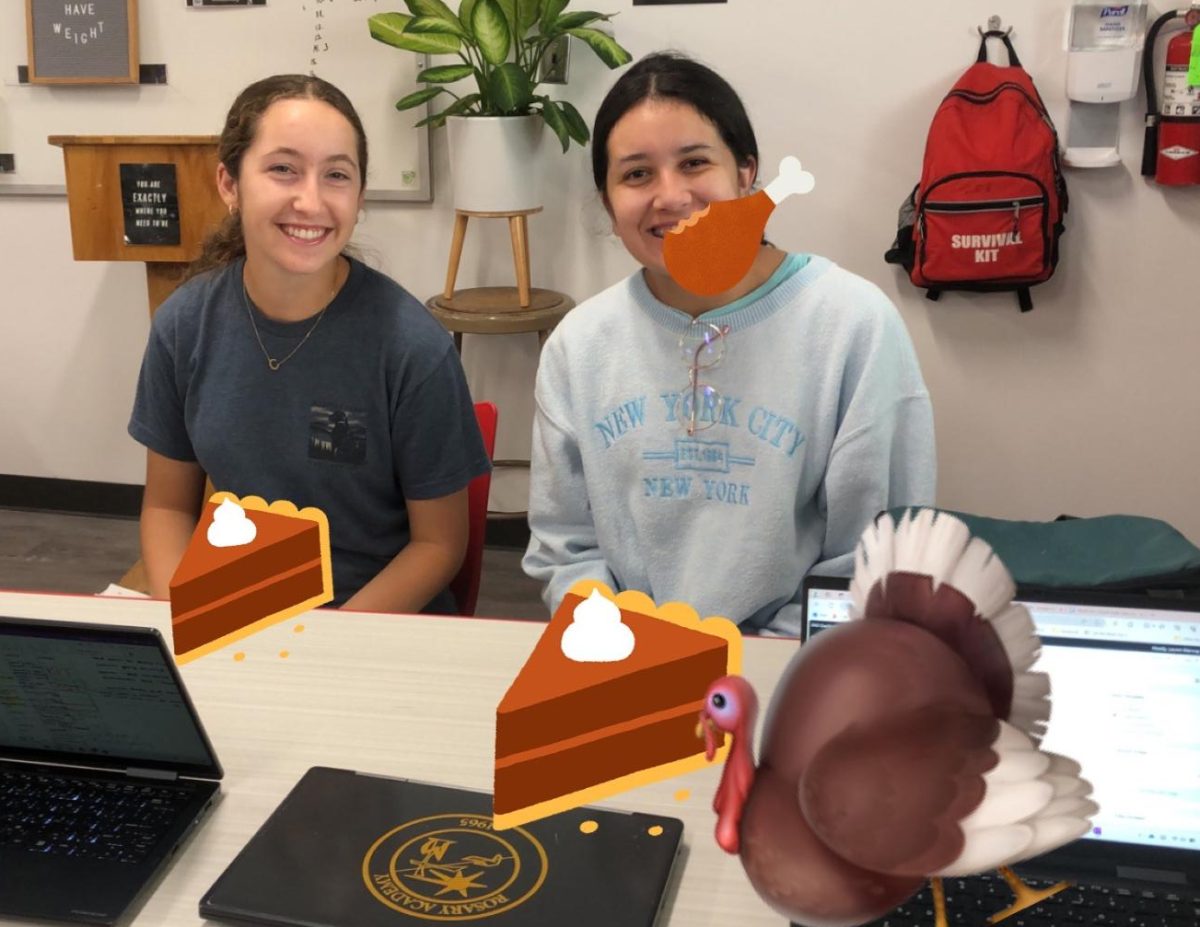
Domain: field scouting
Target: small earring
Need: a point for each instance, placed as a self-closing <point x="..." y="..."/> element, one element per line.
<point x="231" y="209"/>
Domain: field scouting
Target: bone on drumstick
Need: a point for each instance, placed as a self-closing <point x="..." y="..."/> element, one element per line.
<point x="714" y="248"/>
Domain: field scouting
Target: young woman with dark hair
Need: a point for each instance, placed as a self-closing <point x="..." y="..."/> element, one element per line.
<point x="287" y="369"/>
<point x="715" y="450"/>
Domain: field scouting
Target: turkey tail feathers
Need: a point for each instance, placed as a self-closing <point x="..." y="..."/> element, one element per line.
<point x="1033" y="802"/>
<point x="933" y="544"/>
<point x="982" y="578"/>
<point x="1031" y="703"/>
<point x="1015" y="629"/>
<point x="873" y="559"/>
<point x="938" y="545"/>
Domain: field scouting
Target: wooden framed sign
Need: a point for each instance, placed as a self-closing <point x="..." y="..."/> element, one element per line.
<point x="89" y="42"/>
<point x="150" y="204"/>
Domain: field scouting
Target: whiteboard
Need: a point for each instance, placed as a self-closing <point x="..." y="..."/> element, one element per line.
<point x="210" y="54"/>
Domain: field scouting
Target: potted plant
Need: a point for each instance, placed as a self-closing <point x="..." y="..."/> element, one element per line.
<point x="501" y="44"/>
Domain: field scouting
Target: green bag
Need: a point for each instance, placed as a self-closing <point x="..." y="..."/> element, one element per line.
<point x="1118" y="553"/>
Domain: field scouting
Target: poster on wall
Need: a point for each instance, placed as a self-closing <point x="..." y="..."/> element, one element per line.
<point x="665" y="2"/>
<point x="226" y="2"/>
<point x="82" y="43"/>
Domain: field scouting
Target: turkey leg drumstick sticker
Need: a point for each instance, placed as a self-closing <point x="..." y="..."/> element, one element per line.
<point x="714" y="248"/>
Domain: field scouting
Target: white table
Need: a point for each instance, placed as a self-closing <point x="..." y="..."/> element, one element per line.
<point x="398" y="695"/>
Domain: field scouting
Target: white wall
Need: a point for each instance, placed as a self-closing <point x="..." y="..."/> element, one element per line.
<point x="1088" y="405"/>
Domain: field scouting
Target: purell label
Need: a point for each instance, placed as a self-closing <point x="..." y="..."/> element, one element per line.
<point x="1113" y="21"/>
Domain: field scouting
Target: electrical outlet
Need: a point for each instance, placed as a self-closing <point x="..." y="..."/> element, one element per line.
<point x="554" y="62"/>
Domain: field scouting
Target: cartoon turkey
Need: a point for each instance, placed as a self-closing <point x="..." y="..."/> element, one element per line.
<point x="900" y="746"/>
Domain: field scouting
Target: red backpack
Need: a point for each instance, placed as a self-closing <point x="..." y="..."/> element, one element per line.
<point x="988" y="212"/>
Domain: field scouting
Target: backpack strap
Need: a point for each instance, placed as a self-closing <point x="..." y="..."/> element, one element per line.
<point x="1003" y="37"/>
<point x="1024" y="297"/>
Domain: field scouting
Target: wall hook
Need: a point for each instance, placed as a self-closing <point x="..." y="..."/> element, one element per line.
<point x="994" y="26"/>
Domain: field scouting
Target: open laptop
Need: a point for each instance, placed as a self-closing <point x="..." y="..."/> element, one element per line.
<point x="1125" y="694"/>
<point x="104" y="767"/>
<point x="346" y="849"/>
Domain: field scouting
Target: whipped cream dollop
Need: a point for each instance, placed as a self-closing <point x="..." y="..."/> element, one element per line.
<point x="596" y="634"/>
<point x="230" y="526"/>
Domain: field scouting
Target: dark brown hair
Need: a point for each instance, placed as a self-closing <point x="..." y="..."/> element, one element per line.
<point x="671" y="76"/>
<point x="226" y="243"/>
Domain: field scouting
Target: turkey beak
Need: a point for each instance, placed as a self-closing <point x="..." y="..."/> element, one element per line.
<point x="707" y="729"/>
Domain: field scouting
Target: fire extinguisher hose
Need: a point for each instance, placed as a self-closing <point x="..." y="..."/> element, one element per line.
<point x="1150" y="144"/>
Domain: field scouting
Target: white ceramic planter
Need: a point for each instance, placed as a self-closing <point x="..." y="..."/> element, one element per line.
<point x="494" y="162"/>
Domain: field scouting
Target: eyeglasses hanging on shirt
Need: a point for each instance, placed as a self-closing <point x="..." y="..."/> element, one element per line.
<point x="702" y="347"/>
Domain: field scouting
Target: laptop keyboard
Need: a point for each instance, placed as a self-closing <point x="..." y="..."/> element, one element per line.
<point x="970" y="902"/>
<point x="111" y="819"/>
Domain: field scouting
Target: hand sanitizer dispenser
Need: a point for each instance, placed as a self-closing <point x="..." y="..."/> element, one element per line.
<point x="1104" y="54"/>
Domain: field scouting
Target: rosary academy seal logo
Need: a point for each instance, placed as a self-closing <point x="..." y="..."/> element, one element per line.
<point x="454" y="867"/>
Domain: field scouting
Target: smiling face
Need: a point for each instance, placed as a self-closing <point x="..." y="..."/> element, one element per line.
<point x="298" y="189"/>
<point x="665" y="161"/>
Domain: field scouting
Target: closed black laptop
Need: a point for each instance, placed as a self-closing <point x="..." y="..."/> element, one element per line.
<point x="352" y="850"/>
<point x="1125" y="681"/>
<point x="104" y="768"/>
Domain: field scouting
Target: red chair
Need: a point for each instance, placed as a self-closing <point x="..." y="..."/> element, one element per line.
<point x="465" y="585"/>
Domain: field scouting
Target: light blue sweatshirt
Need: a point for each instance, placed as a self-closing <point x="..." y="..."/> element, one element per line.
<point x="825" y="421"/>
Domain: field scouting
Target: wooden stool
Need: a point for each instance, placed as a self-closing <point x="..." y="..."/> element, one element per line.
<point x="518" y="230"/>
<point x="495" y="310"/>
<point x="498" y="310"/>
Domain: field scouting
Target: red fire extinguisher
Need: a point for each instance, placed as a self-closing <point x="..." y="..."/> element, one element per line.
<point x="1172" y="150"/>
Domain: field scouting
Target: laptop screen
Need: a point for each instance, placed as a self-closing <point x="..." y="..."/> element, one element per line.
<point x="98" y="696"/>
<point x="1125" y="693"/>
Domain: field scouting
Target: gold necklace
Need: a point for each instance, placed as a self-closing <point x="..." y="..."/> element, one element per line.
<point x="272" y="363"/>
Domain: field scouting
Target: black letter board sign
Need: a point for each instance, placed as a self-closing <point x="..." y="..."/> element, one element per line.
<point x="94" y="42"/>
<point x="151" y="204"/>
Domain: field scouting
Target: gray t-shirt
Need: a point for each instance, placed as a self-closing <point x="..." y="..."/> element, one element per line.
<point x="373" y="409"/>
